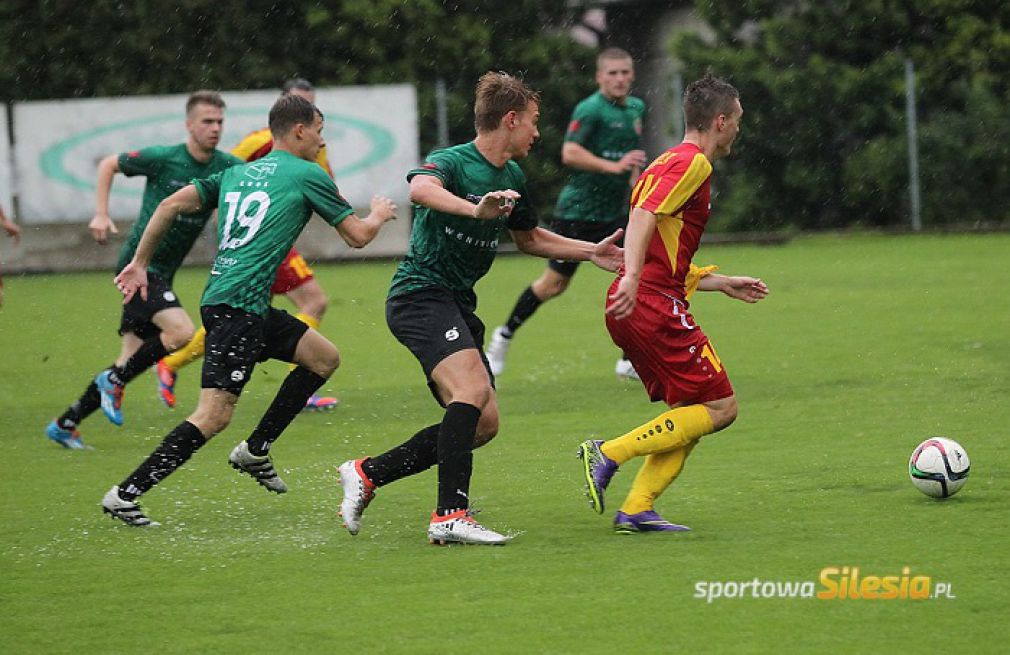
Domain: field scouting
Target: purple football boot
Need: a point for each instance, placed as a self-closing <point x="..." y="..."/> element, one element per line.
<point x="647" y="521"/>
<point x="598" y="469"/>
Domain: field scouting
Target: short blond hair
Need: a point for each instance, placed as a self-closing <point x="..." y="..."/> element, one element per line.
<point x="497" y="94"/>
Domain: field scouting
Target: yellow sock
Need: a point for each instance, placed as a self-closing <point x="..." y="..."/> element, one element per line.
<point x="312" y="322"/>
<point x="668" y="431"/>
<point x="658" y="472"/>
<point x="191" y="351"/>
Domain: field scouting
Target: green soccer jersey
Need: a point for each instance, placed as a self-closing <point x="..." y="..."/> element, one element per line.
<point x="264" y="206"/>
<point x="168" y="169"/>
<point x="609" y="130"/>
<point x="453" y="252"/>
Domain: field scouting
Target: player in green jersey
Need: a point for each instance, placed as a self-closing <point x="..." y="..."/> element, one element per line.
<point x="264" y="207"/>
<point x="153" y="326"/>
<point x="466" y="195"/>
<point x="603" y="149"/>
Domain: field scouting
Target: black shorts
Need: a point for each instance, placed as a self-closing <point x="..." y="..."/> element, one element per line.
<point x="583" y="231"/>
<point x="432" y="325"/>
<point x="236" y="340"/>
<point x="138" y="312"/>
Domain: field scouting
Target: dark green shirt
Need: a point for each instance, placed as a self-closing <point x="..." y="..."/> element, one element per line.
<point x="453" y="252"/>
<point x="608" y="130"/>
<point x="264" y="206"/>
<point x="168" y="169"/>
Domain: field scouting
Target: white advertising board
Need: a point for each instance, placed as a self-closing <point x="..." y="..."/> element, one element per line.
<point x="371" y="136"/>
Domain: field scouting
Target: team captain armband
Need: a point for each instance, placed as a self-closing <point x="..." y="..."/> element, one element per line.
<point x="694" y="276"/>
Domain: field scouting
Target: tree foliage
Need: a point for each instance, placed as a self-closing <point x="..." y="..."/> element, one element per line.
<point x="824" y="132"/>
<point x="66" y="49"/>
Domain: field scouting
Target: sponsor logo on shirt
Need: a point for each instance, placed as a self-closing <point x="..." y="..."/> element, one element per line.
<point x="261" y="169"/>
<point x="574" y="127"/>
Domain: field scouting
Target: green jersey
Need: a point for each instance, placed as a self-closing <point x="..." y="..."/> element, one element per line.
<point x="608" y="129"/>
<point x="168" y="169"/>
<point x="453" y="252"/>
<point x="264" y="205"/>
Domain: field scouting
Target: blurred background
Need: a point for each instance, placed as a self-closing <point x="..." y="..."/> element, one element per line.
<point x="883" y="114"/>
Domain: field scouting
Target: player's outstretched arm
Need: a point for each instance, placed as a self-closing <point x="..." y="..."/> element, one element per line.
<point x="102" y="224"/>
<point x="359" y="232"/>
<point x="742" y="287"/>
<point x="133" y="277"/>
<point x="428" y="191"/>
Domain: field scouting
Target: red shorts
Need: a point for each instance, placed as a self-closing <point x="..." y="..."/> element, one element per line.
<point x="291" y="274"/>
<point x="671" y="354"/>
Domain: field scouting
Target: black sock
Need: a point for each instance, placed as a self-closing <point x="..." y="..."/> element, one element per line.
<point x="455" y="456"/>
<point x="81" y="409"/>
<point x="146" y="356"/>
<point x="525" y="306"/>
<point x="295" y="391"/>
<point x="419" y="453"/>
<point x="171" y="453"/>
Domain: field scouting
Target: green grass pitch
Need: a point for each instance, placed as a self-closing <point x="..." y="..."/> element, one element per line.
<point x="866" y="346"/>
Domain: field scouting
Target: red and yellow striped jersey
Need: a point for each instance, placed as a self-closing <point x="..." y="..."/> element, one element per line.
<point x="257" y="144"/>
<point x="675" y="187"/>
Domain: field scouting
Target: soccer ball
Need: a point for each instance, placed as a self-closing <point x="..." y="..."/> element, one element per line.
<point x="939" y="467"/>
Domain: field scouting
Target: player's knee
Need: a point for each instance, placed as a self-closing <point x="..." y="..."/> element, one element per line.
<point x="327" y="360"/>
<point x="176" y="337"/>
<point x="211" y="422"/>
<point x="476" y="395"/>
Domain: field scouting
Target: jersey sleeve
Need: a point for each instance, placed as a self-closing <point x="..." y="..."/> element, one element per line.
<point x="664" y="192"/>
<point x="255" y="145"/>
<point x="523" y="216"/>
<point x="440" y="164"/>
<point x="583" y="124"/>
<point x="322" y="196"/>
<point x="146" y="161"/>
<point x="209" y="189"/>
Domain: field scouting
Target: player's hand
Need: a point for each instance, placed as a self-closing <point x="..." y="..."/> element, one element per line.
<point x="496" y="203"/>
<point x="631" y="160"/>
<point x="130" y="280"/>
<point x="100" y="227"/>
<point x="621" y="303"/>
<point x="747" y="289"/>
<point x="607" y="254"/>
<point x="13" y="230"/>
<point x="384" y="208"/>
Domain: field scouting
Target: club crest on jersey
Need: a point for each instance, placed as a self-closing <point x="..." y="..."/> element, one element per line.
<point x="452" y="334"/>
<point x="261" y="169"/>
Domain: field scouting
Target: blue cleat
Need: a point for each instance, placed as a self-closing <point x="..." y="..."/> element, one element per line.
<point x="647" y="521"/>
<point x="67" y="438"/>
<point x="112" y="397"/>
<point x="598" y="469"/>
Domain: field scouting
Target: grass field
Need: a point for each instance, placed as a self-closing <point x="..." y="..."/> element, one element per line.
<point x="866" y="346"/>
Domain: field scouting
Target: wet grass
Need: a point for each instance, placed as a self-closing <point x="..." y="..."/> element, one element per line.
<point x="866" y="346"/>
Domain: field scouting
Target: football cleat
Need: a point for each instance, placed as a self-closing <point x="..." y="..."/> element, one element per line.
<point x="598" y="469"/>
<point x="111" y="395"/>
<point x="358" y="493"/>
<point x="126" y="511"/>
<point x="497" y="349"/>
<point x="67" y="438"/>
<point x="321" y="403"/>
<point x="625" y="370"/>
<point x="460" y="527"/>
<point x="260" y="467"/>
<point x="166" y="383"/>
<point x="647" y="521"/>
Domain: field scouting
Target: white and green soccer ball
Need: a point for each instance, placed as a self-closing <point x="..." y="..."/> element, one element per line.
<point x="939" y="467"/>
